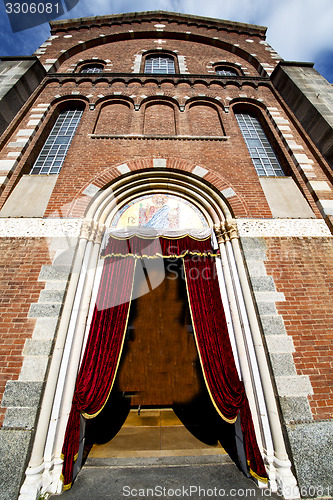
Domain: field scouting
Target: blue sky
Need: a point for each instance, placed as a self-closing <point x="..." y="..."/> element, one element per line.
<point x="299" y="30"/>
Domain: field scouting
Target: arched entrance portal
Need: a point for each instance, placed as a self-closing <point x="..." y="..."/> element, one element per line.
<point x="159" y="404"/>
<point x="109" y="204"/>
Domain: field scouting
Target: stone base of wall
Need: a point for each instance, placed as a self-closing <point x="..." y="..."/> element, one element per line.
<point x="312" y="448"/>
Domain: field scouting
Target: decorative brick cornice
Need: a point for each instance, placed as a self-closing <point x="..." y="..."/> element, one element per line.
<point x="157" y="16"/>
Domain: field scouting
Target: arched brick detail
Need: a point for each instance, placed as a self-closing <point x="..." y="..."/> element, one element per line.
<point x="81" y="201"/>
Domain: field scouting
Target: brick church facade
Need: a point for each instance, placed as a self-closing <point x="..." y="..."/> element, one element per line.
<point x="113" y="110"/>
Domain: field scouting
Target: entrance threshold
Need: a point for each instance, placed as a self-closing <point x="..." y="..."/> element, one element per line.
<point x="155" y="433"/>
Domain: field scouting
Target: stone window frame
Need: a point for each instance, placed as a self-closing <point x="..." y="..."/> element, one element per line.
<point x="160" y="53"/>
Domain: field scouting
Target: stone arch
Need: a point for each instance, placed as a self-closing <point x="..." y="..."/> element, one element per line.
<point x="204" y="39"/>
<point x="235" y="203"/>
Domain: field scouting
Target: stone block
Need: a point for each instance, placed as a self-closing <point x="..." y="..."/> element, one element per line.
<point x="19" y="393"/>
<point x="263" y="283"/>
<point x="283" y="364"/>
<point x="14" y="447"/>
<point x="30" y="196"/>
<point x="45" y="328"/>
<point x="285" y="199"/>
<point x="269" y="297"/>
<point x="251" y="243"/>
<point x="63" y="243"/>
<point x="50" y="273"/>
<point x="63" y="260"/>
<point x="295" y="408"/>
<point x="44" y="310"/>
<point x="312" y="448"/>
<point x="273" y="325"/>
<point x="266" y="308"/>
<point x="254" y="254"/>
<point x="159" y="162"/>
<point x="51" y="296"/>
<point x="280" y="343"/>
<point x="256" y="268"/>
<point x="228" y="193"/>
<point x="56" y="285"/>
<point x="34" y="368"/>
<point x="297" y="385"/>
<point x="199" y="171"/>
<point x="37" y="347"/>
<point x="20" y="417"/>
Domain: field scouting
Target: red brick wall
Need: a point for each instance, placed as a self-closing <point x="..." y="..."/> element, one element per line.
<point x="88" y="158"/>
<point x="303" y="270"/>
<point x="21" y="261"/>
<point x="114" y="118"/>
<point x="159" y="119"/>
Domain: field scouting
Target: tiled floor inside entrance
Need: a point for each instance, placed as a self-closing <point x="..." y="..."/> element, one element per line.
<point x="154" y="433"/>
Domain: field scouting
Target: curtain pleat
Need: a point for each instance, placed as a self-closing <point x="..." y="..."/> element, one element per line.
<point x="215" y="352"/>
<point x="102" y="354"/>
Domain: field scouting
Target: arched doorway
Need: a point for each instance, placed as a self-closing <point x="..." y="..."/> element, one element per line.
<point x="159" y="404"/>
<point x="81" y="297"/>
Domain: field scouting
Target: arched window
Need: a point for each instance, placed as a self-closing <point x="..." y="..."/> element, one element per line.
<point x="260" y="149"/>
<point x="53" y="153"/>
<point x="92" y="68"/>
<point x="226" y="71"/>
<point x="160" y="64"/>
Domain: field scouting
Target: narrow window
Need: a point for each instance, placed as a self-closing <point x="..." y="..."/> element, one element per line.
<point x="262" y="154"/>
<point x="54" y="151"/>
<point x="92" y="68"/>
<point x="160" y="64"/>
<point x="226" y="71"/>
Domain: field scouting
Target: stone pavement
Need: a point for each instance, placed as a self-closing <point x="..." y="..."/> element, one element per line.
<point x="195" y="477"/>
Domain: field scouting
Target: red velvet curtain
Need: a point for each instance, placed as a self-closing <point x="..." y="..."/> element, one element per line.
<point x="210" y="328"/>
<point x="107" y="331"/>
<point x="102" y="353"/>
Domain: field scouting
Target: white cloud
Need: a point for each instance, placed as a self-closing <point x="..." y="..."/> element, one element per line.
<point x="298" y="29"/>
<point x="301" y="29"/>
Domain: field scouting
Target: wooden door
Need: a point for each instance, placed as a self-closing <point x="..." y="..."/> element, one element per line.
<point x="159" y="364"/>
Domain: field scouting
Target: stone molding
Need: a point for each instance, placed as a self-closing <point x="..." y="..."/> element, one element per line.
<point x="39" y="228"/>
<point x="278" y="228"/>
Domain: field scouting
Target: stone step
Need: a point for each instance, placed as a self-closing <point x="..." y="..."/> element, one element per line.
<point x="159" y="461"/>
